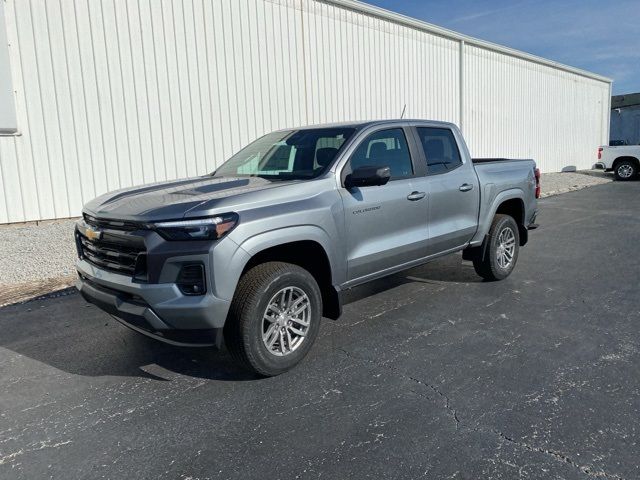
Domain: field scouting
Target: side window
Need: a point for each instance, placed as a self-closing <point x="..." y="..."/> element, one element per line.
<point x="440" y="148"/>
<point x="386" y="148"/>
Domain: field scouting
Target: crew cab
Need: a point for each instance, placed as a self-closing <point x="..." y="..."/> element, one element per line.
<point x="259" y="250"/>
<point x="623" y="160"/>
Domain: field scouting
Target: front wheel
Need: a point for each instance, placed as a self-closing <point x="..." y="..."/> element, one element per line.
<point x="626" y="170"/>
<point x="274" y="317"/>
<point x="500" y="249"/>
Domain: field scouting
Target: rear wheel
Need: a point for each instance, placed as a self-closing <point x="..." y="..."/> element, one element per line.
<point x="626" y="170"/>
<point x="274" y="317"/>
<point x="500" y="249"/>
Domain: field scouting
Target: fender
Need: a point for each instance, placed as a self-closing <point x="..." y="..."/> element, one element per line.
<point x="296" y="233"/>
<point x="486" y="217"/>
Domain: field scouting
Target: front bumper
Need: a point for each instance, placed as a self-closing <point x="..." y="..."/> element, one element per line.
<point x="157" y="310"/>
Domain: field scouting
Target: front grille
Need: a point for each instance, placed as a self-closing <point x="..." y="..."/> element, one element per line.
<point x="114" y="224"/>
<point x="116" y="250"/>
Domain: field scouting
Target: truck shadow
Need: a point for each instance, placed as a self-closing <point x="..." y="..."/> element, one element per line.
<point x="448" y="269"/>
<point x="67" y="334"/>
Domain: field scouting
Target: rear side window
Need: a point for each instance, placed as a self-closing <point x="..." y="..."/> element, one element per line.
<point x="440" y="148"/>
<point x="386" y="148"/>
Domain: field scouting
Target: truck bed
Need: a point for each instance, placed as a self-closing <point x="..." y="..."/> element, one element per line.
<point x="505" y="178"/>
<point x="491" y="160"/>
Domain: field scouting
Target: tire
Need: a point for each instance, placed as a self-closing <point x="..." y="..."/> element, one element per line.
<point x="258" y="296"/>
<point x="492" y="265"/>
<point x="626" y="170"/>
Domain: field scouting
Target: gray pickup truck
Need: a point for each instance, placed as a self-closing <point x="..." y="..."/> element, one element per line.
<point x="258" y="251"/>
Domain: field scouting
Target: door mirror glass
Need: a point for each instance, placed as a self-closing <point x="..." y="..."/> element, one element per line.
<point x="367" y="176"/>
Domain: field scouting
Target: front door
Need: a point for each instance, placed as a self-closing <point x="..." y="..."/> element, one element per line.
<point x="386" y="225"/>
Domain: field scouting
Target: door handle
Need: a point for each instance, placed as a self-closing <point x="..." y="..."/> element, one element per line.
<point x="413" y="196"/>
<point x="465" y="187"/>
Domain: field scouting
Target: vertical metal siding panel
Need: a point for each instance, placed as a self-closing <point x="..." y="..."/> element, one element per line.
<point x="11" y="196"/>
<point x="73" y="118"/>
<point x="49" y="108"/>
<point x="91" y="97"/>
<point x="210" y="9"/>
<point x="67" y="182"/>
<point x="4" y="182"/>
<point x="111" y="158"/>
<point x="158" y="154"/>
<point x="140" y="92"/>
<point x="224" y="124"/>
<point x="248" y="66"/>
<point x="256" y="20"/>
<point x="129" y="121"/>
<point x="25" y="203"/>
<point x="34" y="114"/>
<point x="6" y="160"/>
<point x="117" y="110"/>
<point x="208" y="133"/>
<point x="162" y="99"/>
<point x="235" y="66"/>
<point x="172" y="89"/>
<point x="289" y="67"/>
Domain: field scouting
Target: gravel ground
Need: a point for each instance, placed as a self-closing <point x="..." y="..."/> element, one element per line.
<point x="40" y="252"/>
<point x="36" y="252"/>
<point x="556" y="183"/>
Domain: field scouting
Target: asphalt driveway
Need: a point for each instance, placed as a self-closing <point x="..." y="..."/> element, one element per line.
<point x="431" y="373"/>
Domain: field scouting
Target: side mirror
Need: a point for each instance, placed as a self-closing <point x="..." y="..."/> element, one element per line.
<point x="367" y="176"/>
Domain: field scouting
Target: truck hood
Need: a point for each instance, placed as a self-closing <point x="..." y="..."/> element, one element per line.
<point x="174" y="199"/>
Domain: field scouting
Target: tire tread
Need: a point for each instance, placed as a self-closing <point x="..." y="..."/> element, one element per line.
<point x="484" y="265"/>
<point x="248" y="294"/>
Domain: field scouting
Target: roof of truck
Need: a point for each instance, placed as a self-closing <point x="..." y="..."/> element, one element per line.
<point x="366" y="123"/>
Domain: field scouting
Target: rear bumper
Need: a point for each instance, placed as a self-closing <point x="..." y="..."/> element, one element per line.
<point x="532" y="221"/>
<point x="160" y="311"/>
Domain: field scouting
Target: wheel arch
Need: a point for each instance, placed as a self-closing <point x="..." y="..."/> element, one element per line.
<point x="307" y="247"/>
<point x="514" y="207"/>
<point x="622" y="158"/>
<point x="510" y="202"/>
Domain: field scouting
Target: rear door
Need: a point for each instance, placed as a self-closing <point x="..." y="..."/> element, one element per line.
<point x="452" y="186"/>
<point x="385" y="226"/>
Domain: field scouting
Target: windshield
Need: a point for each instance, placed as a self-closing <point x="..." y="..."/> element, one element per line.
<point x="287" y="155"/>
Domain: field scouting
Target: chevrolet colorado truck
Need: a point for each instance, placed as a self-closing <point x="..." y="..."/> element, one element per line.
<point x="259" y="250"/>
<point x="623" y="161"/>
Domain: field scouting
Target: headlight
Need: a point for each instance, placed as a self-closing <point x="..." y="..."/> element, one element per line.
<point x="210" y="228"/>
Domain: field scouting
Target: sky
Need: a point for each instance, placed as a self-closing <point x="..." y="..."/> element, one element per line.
<point x="601" y="36"/>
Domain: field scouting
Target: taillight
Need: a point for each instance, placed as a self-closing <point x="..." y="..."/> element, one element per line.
<point x="536" y="172"/>
<point x="599" y="153"/>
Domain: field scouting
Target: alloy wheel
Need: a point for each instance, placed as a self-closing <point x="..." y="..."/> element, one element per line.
<point x="286" y="321"/>
<point x="625" y="171"/>
<point x="506" y="248"/>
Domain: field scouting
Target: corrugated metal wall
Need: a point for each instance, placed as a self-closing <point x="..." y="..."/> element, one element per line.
<point x="114" y="93"/>
<point x="520" y="109"/>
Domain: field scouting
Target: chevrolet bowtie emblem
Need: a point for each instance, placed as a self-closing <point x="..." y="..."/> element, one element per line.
<point x="92" y="234"/>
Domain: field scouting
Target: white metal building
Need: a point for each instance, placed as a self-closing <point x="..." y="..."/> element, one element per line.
<point x="97" y="95"/>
